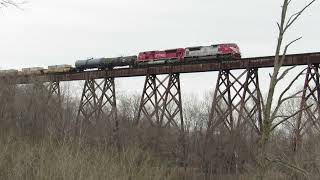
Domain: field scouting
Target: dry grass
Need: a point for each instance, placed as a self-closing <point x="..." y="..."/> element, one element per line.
<point x="20" y="159"/>
<point x="26" y="152"/>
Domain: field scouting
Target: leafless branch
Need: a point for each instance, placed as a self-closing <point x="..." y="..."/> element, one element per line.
<point x="280" y="116"/>
<point x="290" y="19"/>
<point x="291" y="124"/>
<point x="281" y="99"/>
<point x="280" y="102"/>
<point x="295" y="16"/>
<point x="285" y="73"/>
<point x="279" y="27"/>
<point x="286" y="49"/>
<point x="290" y="166"/>
<point x="290" y="85"/>
<point x="8" y="3"/>
<point x="290" y="116"/>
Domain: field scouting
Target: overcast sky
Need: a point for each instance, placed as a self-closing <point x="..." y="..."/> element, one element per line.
<point x="49" y="32"/>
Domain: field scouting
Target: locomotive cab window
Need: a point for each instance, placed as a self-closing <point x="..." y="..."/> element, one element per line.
<point x="194" y="48"/>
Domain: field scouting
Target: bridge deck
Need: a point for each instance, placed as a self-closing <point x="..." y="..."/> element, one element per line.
<point x="256" y="62"/>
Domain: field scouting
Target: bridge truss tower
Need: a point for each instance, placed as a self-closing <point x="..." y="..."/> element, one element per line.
<point x="236" y="100"/>
<point x="161" y="104"/>
<point x="98" y="102"/>
<point x="54" y="90"/>
<point x="310" y="106"/>
<point x="54" y="96"/>
<point x="161" y="108"/>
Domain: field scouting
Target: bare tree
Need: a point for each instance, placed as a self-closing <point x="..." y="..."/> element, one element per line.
<point x="8" y="3"/>
<point x="269" y="119"/>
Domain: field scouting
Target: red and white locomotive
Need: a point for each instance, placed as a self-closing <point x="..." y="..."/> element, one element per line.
<point x="217" y="52"/>
<point x="158" y="57"/>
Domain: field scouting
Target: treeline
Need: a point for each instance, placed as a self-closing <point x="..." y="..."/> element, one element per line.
<point x="39" y="140"/>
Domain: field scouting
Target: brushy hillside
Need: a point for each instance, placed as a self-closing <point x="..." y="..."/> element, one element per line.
<point x="21" y="159"/>
<point x="39" y="139"/>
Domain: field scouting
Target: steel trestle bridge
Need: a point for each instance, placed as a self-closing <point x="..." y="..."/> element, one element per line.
<point x="161" y="101"/>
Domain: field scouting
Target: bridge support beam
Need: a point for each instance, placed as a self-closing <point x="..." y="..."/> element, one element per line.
<point x="236" y="103"/>
<point x="231" y="97"/>
<point x="309" y="116"/>
<point x="107" y="104"/>
<point x="98" y="101"/>
<point x="161" y="110"/>
<point x="161" y="103"/>
<point x="54" y="90"/>
<point x="54" y="98"/>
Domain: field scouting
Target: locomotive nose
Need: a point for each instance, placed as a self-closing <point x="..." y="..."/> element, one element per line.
<point x="235" y="49"/>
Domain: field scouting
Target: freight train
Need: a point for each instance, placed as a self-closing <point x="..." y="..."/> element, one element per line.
<point x="217" y="52"/>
